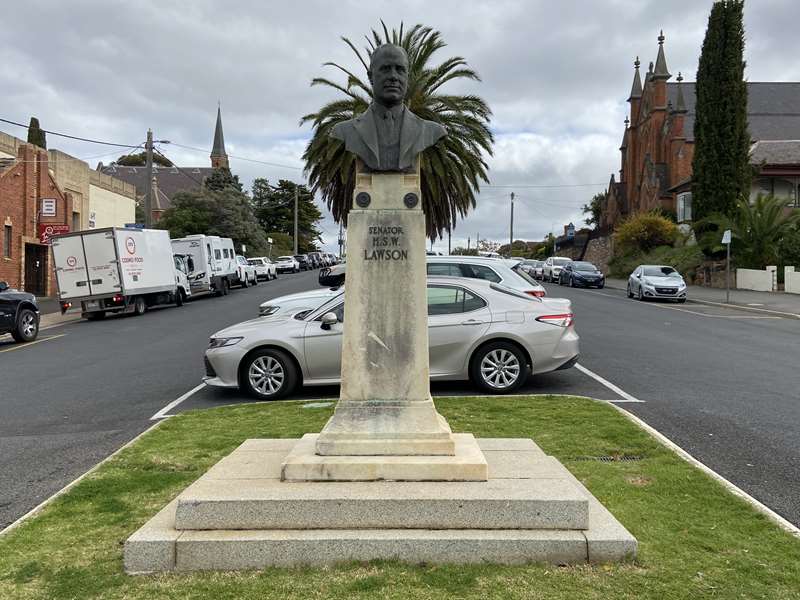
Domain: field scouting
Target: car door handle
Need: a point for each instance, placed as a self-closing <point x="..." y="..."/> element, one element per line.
<point x="472" y="322"/>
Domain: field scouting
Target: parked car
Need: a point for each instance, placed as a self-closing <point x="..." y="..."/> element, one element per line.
<point x="265" y="268"/>
<point x="507" y="272"/>
<point x="533" y="267"/>
<point x="302" y="260"/>
<point x="287" y="264"/>
<point x="581" y="274"/>
<point x="552" y="267"/>
<point x="245" y="272"/>
<point x="315" y="259"/>
<point x="295" y="303"/>
<point x="470" y="337"/>
<point x="19" y="314"/>
<point x="656" y="281"/>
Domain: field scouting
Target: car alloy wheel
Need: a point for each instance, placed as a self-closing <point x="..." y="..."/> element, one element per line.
<point x="641" y="294"/>
<point x="499" y="368"/>
<point x="268" y="374"/>
<point x="629" y="292"/>
<point x="27" y="326"/>
<point x="571" y="282"/>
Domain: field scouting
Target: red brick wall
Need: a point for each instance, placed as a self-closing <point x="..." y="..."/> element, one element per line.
<point x="21" y="189"/>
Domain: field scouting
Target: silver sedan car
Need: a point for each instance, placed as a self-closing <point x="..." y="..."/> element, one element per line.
<point x="656" y="281"/>
<point x="478" y="330"/>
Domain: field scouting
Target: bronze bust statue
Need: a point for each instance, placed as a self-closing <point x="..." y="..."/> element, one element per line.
<point x="387" y="136"/>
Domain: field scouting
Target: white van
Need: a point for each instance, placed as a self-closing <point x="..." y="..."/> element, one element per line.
<point x="211" y="262"/>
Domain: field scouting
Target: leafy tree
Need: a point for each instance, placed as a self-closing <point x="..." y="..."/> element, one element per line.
<point x="721" y="169"/>
<point x="274" y="209"/>
<point x="488" y="246"/>
<point x="221" y="179"/>
<point x="644" y="231"/>
<point x="461" y="251"/>
<point x="594" y="209"/>
<point x="226" y="213"/>
<point x="757" y="230"/>
<point x="36" y="135"/>
<point x="140" y="160"/>
<point x="451" y="170"/>
<point x="282" y="244"/>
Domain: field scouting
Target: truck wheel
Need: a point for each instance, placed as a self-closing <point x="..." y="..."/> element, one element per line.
<point x="179" y="297"/>
<point x="27" y="326"/>
<point x="139" y="306"/>
<point x="243" y="282"/>
<point x="225" y="286"/>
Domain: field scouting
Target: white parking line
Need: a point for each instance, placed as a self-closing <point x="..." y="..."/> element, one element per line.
<point x="620" y="392"/>
<point x="162" y="414"/>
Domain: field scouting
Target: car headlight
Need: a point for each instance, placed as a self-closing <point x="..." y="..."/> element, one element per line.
<point x="265" y="311"/>
<point x="221" y="342"/>
<point x="682" y="285"/>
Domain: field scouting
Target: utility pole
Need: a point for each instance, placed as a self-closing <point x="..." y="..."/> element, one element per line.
<point x="449" y="241"/>
<point x="296" y="201"/>
<point x="511" y="233"/>
<point x="148" y="198"/>
<point x="341" y="239"/>
<point x="468" y="243"/>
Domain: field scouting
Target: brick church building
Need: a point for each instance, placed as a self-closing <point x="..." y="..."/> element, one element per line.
<point x="658" y="144"/>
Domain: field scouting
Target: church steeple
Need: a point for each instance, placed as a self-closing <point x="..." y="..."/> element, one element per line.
<point x="661" y="71"/>
<point x="636" y="87"/>
<point x="219" y="158"/>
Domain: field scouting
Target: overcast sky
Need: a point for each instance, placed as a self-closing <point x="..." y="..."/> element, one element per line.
<point x="555" y="74"/>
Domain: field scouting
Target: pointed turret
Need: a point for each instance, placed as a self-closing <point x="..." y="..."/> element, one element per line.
<point x="680" y="102"/>
<point x="661" y="71"/>
<point x="636" y="87"/>
<point x="219" y="158"/>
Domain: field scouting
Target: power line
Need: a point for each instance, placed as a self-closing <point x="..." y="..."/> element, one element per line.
<point x="560" y="185"/>
<point x="254" y="160"/>
<point x="72" y="137"/>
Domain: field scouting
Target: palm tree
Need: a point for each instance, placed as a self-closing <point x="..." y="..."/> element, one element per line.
<point x="757" y="228"/>
<point x="451" y="170"/>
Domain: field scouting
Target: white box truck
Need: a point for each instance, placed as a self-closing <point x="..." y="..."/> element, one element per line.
<point x="115" y="269"/>
<point x="211" y="263"/>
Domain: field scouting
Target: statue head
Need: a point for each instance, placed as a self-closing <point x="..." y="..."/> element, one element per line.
<point x="388" y="74"/>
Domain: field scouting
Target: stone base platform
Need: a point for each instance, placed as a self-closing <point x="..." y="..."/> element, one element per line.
<point x="466" y="464"/>
<point x="239" y="515"/>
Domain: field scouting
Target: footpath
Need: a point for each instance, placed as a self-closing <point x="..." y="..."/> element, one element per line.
<point x="766" y="302"/>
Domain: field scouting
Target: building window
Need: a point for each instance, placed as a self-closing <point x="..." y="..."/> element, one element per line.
<point x="7" y="241"/>
<point x="684" y="207"/>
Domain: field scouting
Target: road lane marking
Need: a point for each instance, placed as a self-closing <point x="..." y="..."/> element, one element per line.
<point x="26" y="344"/>
<point x="730" y="486"/>
<point x="620" y="392"/>
<point x="72" y="484"/>
<point x="162" y="414"/>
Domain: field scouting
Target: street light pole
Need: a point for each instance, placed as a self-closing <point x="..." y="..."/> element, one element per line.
<point x="296" y="201"/>
<point x="511" y="228"/>
<point x="148" y="198"/>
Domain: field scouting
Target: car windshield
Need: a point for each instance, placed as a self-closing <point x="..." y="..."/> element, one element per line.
<point x="584" y="266"/>
<point x="560" y="262"/>
<point x="660" y="272"/>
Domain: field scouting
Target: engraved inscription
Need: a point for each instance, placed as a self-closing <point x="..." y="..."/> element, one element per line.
<point x="386" y="243"/>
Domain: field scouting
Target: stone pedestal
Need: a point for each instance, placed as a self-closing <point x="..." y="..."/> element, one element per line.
<point x="385" y="408"/>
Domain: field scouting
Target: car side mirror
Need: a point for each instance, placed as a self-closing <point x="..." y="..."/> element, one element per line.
<point x="328" y="320"/>
<point x="3" y="286"/>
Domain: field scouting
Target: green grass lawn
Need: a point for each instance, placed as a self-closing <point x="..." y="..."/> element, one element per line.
<point x="695" y="539"/>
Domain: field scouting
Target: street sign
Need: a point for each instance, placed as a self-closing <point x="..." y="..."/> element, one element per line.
<point x="244" y="249"/>
<point x="269" y="240"/>
<point x="134" y="225"/>
<point x="726" y="237"/>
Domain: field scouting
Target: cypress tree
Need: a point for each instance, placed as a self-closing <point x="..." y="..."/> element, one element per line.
<point x="36" y="135"/>
<point x="721" y="167"/>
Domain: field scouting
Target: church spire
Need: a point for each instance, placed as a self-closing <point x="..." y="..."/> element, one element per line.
<point x="661" y="71"/>
<point x="219" y="158"/>
<point x="636" y="88"/>
<point x="681" y="102"/>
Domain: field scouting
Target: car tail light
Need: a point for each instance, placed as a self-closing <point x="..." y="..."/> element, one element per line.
<point x="117" y="298"/>
<point x="562" y="320"/>
<point x="65" y="306"/>
<point x="536" y="293"/>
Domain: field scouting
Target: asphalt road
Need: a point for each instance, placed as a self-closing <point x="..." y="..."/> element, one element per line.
<point x="716" y="381"/>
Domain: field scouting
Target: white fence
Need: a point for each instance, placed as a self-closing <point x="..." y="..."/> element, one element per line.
<point x="761" y="281"/>
<point x="791" y="281"/>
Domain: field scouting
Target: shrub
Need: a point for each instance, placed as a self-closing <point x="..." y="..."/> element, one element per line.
<point x="686" y="260"/>
<point x="644" y="231"/>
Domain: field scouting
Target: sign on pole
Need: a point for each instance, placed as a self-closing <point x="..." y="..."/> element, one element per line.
<point x="726" y="237"/>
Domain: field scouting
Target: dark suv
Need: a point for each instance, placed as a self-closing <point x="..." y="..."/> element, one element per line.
<point x="302" y="259"/>
<point x="19" y="314"/>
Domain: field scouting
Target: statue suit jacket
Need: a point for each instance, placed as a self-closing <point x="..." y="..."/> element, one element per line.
<point x="360" y="136"/>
